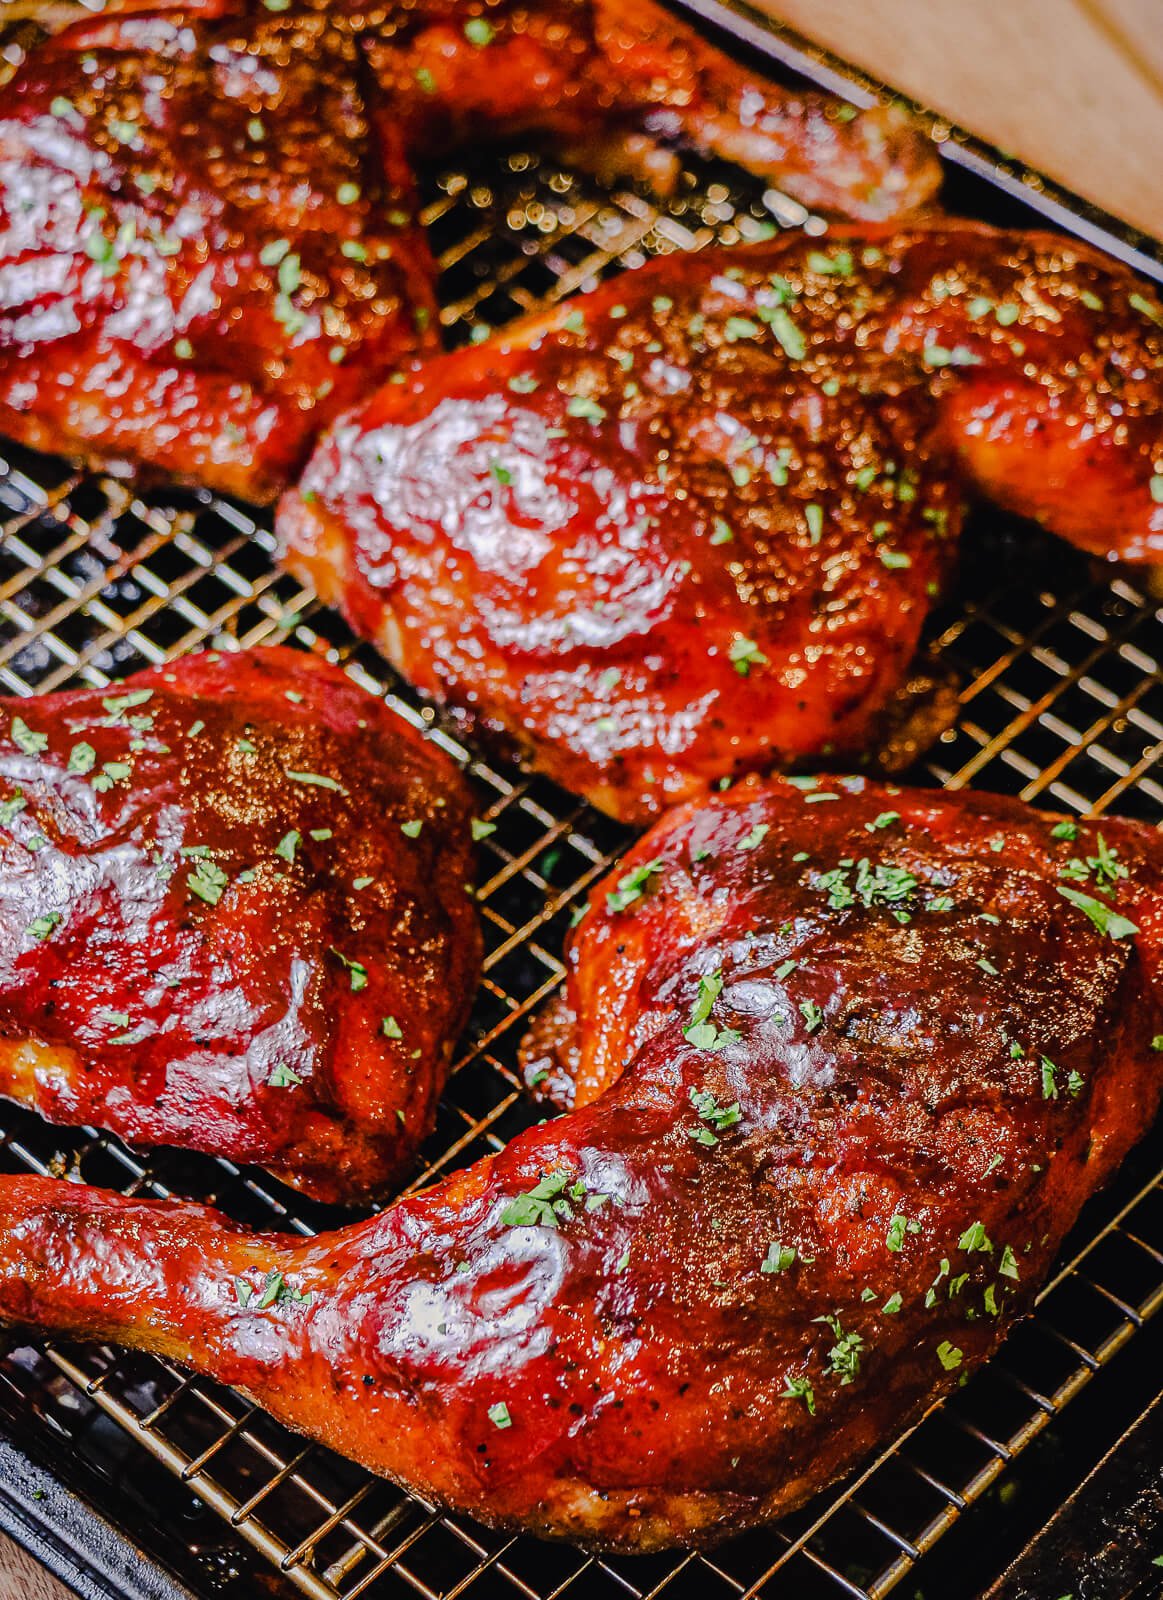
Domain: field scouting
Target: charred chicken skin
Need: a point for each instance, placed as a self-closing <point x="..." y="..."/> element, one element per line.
<point x="845" y="1062"/>
<point x="208" y="234"/>
<point x="234" y="916"/>
<point x="691" y="524"/>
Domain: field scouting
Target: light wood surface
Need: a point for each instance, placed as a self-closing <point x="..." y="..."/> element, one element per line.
<point x="22" y="1579"/>
<point x="1074" y="87"/>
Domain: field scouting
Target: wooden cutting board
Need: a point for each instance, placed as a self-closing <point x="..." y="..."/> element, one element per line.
<point x="1072" y="87"/>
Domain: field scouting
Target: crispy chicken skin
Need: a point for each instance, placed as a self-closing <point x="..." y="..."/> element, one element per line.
<point x="216" y="933"/>
<point x="208" y="234"/>
<point x="691" y="524"/>
<point x="846" y="1063"/>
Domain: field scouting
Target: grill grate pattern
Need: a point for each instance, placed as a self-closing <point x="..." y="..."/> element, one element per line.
<point x="1062" y="703"/>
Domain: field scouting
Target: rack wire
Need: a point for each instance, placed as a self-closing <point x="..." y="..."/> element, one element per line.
<point x="1062" y="702"/>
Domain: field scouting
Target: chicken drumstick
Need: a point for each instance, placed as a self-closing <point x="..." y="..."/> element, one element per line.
<point x="845" y="1063"/>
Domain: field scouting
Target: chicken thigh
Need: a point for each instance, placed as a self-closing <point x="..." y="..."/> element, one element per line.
<point x="690" y="524"/>
<point x="234" y="916"/>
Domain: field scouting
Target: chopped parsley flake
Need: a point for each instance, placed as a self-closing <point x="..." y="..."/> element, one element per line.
<point x="1064" y="830"/>
<point x="975" y="1238"/>
<point x="800" y="1389"/>
<point x="717" y="1118"/>
<point x="274" y="1291"/>
<point x="1104" y="917"/>
<point x="1008" y="1265"/>
<point x="812" y="1015"/>
<point x="1142" y="304"/>
<point x="287" y="845"/>
<point x="283" y="1077"/>
<point x="498" y="1414"/>
<point x="207" y="880"/>
<point x="82" y="758"/>
<point x="949" y="1355"/>
<point x="582" y="406"/>
<point x="117" y="705"/>
<point x="936" y="355"/>
<point x="845" y="1353"/>
<point x="481" y="829"/>
<point x="779" y="1258"/>
<point x="553" y="1198"/>
<point x="632" y="884"/>
<point x="755" y="838"/>
<point x="411" y="830"/>
<point x="883" y="885"/>
<point x="744" y="654"/>
<point x="785" y="331"/>
<point x="1105" y="865"/>
<point x="892" y="1305"/>
<point x="897" y="1228"/>
<point x="356" y="970"/>
<point x="837" y="266"/>
<point x="42" y="927"/>
<point x="391" y="1029"/>
<point x="736" y="328"/>
<point x="26" y="739"/>
<point x="698" y="1031"/>
<point x="316" y="780"/>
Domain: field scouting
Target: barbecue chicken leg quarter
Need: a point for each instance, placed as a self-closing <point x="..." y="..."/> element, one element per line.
<point x="234" y="916"/>
<point x="208" y="235"/>
<point x="690" y="525"/>
<point x="845" y="1063"/>
<point x="205" y="250"/>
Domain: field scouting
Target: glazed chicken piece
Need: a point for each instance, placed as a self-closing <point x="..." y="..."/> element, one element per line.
<point x="691" y="524"/>
<point x="614" y="85"/>
<point x="845" y="1064"/>
<point x="233" y="917"/>
<point x="208" y="235"/>
<point x="205" y="252"/>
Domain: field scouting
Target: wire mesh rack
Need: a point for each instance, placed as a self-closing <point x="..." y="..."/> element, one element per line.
<point x="1062" y="702"/>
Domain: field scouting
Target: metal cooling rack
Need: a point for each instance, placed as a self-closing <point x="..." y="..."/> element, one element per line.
<point x="1062" y="703"/>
